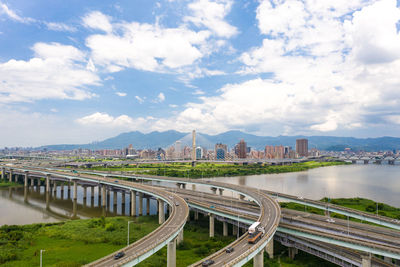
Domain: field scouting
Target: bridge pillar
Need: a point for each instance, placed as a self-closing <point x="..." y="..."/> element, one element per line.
<point x="26" y="179"/>
<point x="387" y="259"/>
<point x="196" y="215"/>
<point x="211" y="225"/>
<point x="69" y="190"/>
<point x="10" y="176"/>
<point x="62" y="190"/>
<point x="133" y="203"/>
<point x="92" y="192"/>
<point x="75" y="190"/>
<point x="104" y="196"/>
<point x="161" y="212"/>
<point x="123" y="198"/>
<point x="47" y="183"/>
<point x="234" y="229"/>
<point x="221" y="191"/>
<point x="184" y="186"/>
<point x="115" y="197"/>
<point x="269" y="248"/>
<point x="3" y="170"/>
<point x="84" y="194"/>
<point x="179" y="239"/>
<point x="31" y="182"/>
<point x="292" y="252"/>
<point x="140" y="203"/>
<point x="225" y="229"/>
<point x="171" y="254"/>
<point x="148" y="205"/>
<point x="55" y="189"/>
<point x="108" y="198"/>
<point x="193" y="187"/>
<point x="214" y="190"/>
<point x="258" y="260"/>
<point x="366" y="260"/>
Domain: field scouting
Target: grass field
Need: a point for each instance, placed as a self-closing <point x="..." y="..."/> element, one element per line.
<point x="202" y="170"/>
<point x="8" y="184"/>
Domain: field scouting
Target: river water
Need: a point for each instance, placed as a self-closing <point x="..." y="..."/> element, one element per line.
<point x="377" y="182"/>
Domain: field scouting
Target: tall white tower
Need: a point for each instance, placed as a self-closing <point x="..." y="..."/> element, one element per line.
<point x="194" y="145"/>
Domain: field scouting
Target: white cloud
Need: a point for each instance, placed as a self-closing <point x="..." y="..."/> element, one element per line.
<point x="97" y="20"/>
<point x="56" y="72"/>
<point x="4" y="9"/>
<point x="60" y="27"/>
<point x="198" y="92"/>
<point x="120" y="94"/>
<point x="173" y="106"/>
<point x="211" y="14"/>
<point x="140" y="99"/>
<point x="160" y="97"/>
<point x="146" y="47"/>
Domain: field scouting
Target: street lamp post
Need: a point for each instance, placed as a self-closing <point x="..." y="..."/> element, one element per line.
<point x="41" y="252"/>
<point x="129" y="222"/>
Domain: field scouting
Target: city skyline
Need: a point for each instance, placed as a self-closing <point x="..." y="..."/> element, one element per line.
<point x="263" y="67"/>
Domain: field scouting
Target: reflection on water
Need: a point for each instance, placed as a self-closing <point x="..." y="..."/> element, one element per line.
<point x="25" y="205"/>
<point x="377" y="182"/>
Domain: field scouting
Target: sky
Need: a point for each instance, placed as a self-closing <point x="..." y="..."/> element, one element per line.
<point x="81" y="71"/>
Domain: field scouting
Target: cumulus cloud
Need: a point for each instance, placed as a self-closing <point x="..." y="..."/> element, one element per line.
<point x="334" y="66"/>
<point x="39" y="77"/>
<point x="160" y="97"/>
<point x="97" y="20"/>
<point x="140" y="99"/>
<point x="211" y="14"/>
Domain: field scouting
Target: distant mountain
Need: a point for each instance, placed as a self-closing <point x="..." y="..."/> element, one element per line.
<point x="157" y="139"/>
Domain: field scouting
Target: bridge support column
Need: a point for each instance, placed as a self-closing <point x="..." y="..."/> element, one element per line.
<point x="84" y="195"/>
<point x="269" y="248"/>
<point x="75" y="190"/>
<point x="193" y="187"/>
<point x="62" y="190"/>
<point x="123" y="198"/>
<point x="161" y="212"/>
<point x="26" y="179"/>
<point x="234" y="229"/>
<point x="171" y="254"/>
<point x="214" y="190"/>
<point x="92" y="192"/>
<point x="115" y="197"/>
<point x="387" y="259"/>
<point x="211" y="225"/>
<point x="10" y="176"/>
<point x="258" y="260"/>
<point x="183" y="186"/>
<point x="103" y="197"/>
<point x="366" y="260"/>
<point x="31" y="182"/>
<point x="179" y="239"/>
<point x="69" y="190"/>
<point x="3" y="170"/>
<point x="225" y="229"/>
<point x="133" y="203"/>
<point x="148" y="205"/>
<point x="196" y="215"/>
<point x="292" y="252"/>
<point x="221" y="191"/>
<point x="47" y="183"/>
<point x="55" y="189"/>
<point x="140" y="203"/>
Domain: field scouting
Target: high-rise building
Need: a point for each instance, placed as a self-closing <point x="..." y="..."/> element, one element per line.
<point x="242" y="149"/>
<point x="220" y="151"/>
<point x="302" y="147"/>
<point x="199" y="153"/>
<point x="178" y="149"/>
<point x="194" y="145"/>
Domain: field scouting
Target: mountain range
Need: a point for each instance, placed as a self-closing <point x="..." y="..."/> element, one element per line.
<point x="157" y="139"/>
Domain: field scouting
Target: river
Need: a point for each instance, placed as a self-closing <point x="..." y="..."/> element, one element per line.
<point x="377" y="182"/>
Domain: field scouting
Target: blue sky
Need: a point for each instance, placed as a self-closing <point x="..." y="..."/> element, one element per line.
<point x="81" y="71"/>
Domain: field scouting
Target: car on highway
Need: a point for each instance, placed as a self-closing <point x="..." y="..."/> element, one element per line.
<point x="116" y="181"/>
<point x="229" y="250"/>
<point x="212" y="207"/>
<point x="119" y="255"/>
<point x="176" y="203"/>
<point x="207" y="263"/>
<point x="330" y="220"/>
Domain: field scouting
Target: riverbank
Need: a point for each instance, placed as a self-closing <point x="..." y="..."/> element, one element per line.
<point x="4" y="184"/>
<point x="64" y="243"/>
<point x="361" y="204"/>
<point x="202" y="170"/>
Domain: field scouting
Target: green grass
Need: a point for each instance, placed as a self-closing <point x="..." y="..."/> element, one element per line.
<point x="71" y="243"/>
<point x="8" y="184"/>
<point x="202" y="170"/>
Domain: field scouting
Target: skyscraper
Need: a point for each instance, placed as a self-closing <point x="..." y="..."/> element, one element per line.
<point x="220" y="151"/>
<point x="302" y="147"/>
<point x="242" y="149"/>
